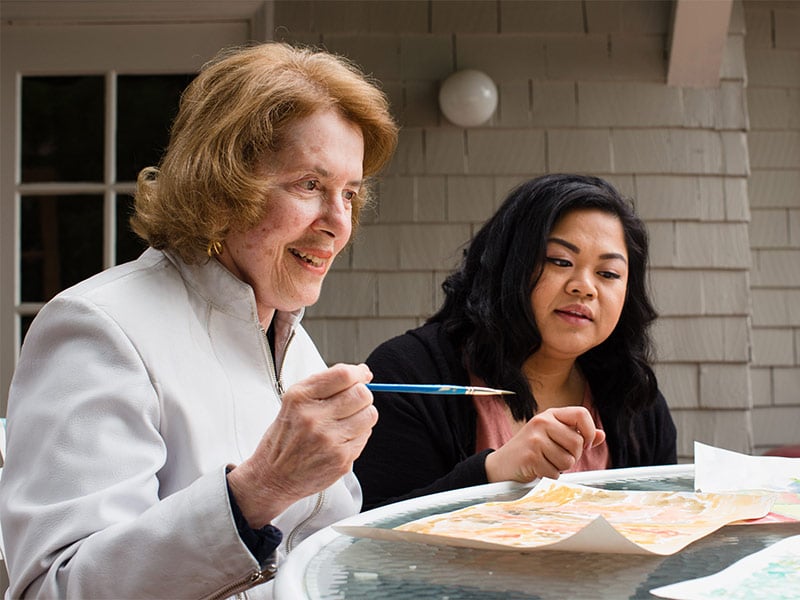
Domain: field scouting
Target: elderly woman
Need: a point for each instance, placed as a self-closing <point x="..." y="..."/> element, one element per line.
<point x="551" y="303"/>
<point x="172" y="429"/>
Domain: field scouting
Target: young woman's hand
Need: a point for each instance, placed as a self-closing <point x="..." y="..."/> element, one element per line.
<point x="547" y="445"/>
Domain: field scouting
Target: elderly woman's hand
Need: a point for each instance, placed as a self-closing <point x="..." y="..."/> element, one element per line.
<point x="550" y="443"/>
<point x="324" y="423"/>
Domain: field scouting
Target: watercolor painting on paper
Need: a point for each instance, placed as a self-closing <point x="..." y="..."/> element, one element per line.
<point x="719" y="470"/>
<point x="561" y="516"/>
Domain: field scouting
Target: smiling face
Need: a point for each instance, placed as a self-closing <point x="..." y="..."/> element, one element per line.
<point x="579" y="297"/>
<point x="313" y="181"/>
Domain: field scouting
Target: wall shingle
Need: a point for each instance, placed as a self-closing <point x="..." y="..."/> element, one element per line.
<point x="504" y="152"/>
<point x="579" y="151"/>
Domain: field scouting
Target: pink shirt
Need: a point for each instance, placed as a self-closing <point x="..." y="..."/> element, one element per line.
<point x="494" y="430"/>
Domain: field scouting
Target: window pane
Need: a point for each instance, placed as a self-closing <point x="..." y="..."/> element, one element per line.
<point x="129" y="245"/>
<point x="146" y="106"/>
<point x="61" y="243"/>
<point x="24" y="325"/>
<point x="62" y="129"/>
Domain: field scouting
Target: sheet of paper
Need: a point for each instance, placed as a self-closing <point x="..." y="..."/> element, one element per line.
<point x="561" y="516"/>
<point x="719" y="470"/>
<point x="771" y="574"/>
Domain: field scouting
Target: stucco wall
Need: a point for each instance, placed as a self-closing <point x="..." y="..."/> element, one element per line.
<point x="582" y="89"/>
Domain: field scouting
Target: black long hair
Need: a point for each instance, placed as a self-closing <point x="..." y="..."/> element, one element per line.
<point x="487" y="310"/>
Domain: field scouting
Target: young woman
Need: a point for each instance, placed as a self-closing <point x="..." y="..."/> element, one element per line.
<point x="551" y="303"/>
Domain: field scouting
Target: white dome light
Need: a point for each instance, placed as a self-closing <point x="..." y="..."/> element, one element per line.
<point x="468" y="98"/>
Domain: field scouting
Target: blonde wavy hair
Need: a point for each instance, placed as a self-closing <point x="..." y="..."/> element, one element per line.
<point x="233" y="115"/>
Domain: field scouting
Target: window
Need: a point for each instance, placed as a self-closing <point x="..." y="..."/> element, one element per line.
<point x="89" y="106"/>
<point x="65" y="223"/>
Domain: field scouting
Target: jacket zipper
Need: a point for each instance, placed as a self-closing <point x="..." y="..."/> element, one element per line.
<point x="276" y="379"/>
<point x="321" y="495"/>
<point x="304" y="522"/>
<point x="255" y="578"/>
<point x="268" y="571"/>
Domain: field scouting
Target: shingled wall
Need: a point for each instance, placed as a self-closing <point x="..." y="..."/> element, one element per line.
<point x="714" y="172"/>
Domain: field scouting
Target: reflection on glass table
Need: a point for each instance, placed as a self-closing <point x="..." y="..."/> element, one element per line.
<point x="329" y="565"/>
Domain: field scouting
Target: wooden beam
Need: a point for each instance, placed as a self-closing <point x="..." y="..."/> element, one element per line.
<point x="697" y="44"/>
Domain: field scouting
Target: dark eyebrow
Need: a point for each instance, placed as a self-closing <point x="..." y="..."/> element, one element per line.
<point x="576" y="250"/>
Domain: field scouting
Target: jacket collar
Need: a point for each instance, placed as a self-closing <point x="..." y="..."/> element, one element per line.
<point x="225" y="292"/>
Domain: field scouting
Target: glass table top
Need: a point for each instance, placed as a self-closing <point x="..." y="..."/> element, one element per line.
<point x="329" y="565"/>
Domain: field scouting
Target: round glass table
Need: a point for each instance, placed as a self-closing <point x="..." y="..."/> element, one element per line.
<point x="329" y="565"/>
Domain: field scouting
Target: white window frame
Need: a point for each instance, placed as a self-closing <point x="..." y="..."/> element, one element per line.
<point x="102" y="43"/>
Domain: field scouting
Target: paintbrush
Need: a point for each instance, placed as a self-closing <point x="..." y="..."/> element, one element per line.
<point x="449" y="390"/>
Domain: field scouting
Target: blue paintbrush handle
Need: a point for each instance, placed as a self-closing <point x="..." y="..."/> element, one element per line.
<point x="460" y="390"/>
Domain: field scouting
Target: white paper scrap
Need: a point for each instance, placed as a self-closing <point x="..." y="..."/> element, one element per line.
<point x="770" y="574"/>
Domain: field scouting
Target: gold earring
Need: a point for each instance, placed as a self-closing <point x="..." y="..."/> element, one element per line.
<point x="214" y="248"/>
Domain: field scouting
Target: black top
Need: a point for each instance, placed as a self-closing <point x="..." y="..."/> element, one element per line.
<point x="423" y="444"/>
